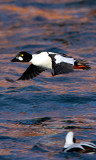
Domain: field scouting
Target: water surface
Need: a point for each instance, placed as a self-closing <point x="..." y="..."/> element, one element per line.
<point x="35" y="115"/>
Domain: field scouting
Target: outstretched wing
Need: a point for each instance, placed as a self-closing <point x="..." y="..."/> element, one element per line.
<point x="61" y="64"/>
<point x="31" y="72"/>
<point x="76" y="147"/>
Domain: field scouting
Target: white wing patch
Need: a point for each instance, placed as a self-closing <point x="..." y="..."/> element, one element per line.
<point x="52" y="53"/>
<point x="60" y="59"/>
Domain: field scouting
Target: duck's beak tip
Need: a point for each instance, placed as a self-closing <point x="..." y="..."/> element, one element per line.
<point x="14" y="60"/>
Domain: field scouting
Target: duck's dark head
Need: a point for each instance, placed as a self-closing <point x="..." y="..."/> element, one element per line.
<point x="22" y="57"/>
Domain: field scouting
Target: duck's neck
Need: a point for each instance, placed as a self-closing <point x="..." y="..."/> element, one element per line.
<point x="69" y="139"/>
<point x="67" y="144"/>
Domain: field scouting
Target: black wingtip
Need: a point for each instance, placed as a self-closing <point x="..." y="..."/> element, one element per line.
<point x="10" y="80"/>
<point x="23" y="78"/>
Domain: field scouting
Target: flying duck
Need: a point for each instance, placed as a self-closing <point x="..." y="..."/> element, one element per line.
<point x="82" y="147"/>
<point x="57" y="63"/>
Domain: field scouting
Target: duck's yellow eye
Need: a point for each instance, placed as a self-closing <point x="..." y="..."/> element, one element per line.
<point x="22" y="55"/>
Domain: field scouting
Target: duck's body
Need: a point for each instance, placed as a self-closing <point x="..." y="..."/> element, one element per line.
<point x="45" y="59"/>
<point x="82" y="147"/>
<point x="57" y="63"/>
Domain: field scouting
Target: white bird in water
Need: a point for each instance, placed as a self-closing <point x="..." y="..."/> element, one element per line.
<point x="82" y="147"/>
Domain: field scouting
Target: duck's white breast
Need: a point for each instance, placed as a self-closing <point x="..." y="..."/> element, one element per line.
<point x="42" y="60"/>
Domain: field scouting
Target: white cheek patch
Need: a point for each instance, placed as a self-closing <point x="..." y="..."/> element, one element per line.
<point x="60" y="59"/>
<point x="20" y="58"/>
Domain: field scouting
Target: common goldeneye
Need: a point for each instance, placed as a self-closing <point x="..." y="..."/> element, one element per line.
<point x="82" y="147"/>
<point x="58" y="63"/>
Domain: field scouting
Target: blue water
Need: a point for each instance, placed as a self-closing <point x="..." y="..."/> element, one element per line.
<point x="36" y="114"/>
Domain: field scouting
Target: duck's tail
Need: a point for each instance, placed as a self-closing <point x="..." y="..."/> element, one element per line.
<point x="81" y="64"/>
